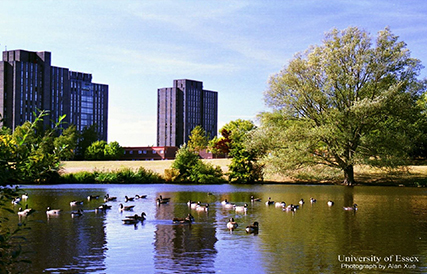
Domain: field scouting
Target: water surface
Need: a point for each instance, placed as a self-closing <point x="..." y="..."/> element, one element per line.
<point x="390" y="224"/>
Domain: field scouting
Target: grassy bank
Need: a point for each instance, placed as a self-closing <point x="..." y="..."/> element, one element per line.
<point x="413" y="175"/>
<point x="156" y="166"/>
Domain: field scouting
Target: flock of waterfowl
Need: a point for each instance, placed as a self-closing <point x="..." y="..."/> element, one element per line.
<point x="197" y="206"/>
<point x="133" y="219"/>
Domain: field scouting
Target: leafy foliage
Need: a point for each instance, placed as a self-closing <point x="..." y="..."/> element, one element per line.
<point x="122" y="176"/>
<point x="68" y="141"/>
<point x="187" y="167"/>
<point x="244" y="167"/>
<point x="96" y="150"/>
<point x="198" y="140"/>
<point x="10" y="241"/>
<point x="343" y="103"/>
<point x="29" y="154"/>
<point x="100" y="150"/>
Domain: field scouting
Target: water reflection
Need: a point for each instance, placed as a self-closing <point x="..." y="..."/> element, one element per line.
<point x="308" y="240"/>
<point x="61" y="243"/>
<point x="187" y="248"/>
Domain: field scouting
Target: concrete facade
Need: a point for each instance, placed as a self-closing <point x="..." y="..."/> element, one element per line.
<point x="183" y="107"/>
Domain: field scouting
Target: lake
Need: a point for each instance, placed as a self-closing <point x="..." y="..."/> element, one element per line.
<point x="388" y="232"/>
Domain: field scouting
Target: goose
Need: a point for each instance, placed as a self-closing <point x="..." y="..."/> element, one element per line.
<point x="126" y="208"/>
<point x="330" y="203"/>
<point x="229" y="206"/>
<point x="241" y="208"/>
<point x="92" y="197"/>
<point x="160" y="202"/>
<point x="24" y="196"/>
<point x="127" y="199"/>
<point x="102" y="208"/>
<point x="107" y="198"/>
<point x="280" y="204"/>
<point x="253" y="199"/>
<point x="50" y="211"/>
<point x="140" y="196"/>
<point x="291" y="207"/>
<point x="269" y="202"/>
<point x="130" y="221"/>
<point x="354" y="207"/>
<point x="27" y="211"/>
<point x="225" y="202"/>
<point x="16" y="200"/>
<point x="136" y="217"/>
<point x="77" y="213"/>
<point x="187" y="220"/>
<point x="164" y="199"/>
<point x="192" y="204"/>
<point x="301" y="202"/>
<point x="312" y="200"/>
<point x="252" y="228"/>
<point x="74" y="203"/>
<point x="232" y="224"/>
<point x="202" y="208"/>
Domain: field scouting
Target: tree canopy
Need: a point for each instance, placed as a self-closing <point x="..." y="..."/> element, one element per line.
<point x="347" y="101"/>
<point x="198" y="139"/>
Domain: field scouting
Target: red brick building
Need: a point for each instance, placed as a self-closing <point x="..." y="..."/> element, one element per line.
<point x="149" y="153"/>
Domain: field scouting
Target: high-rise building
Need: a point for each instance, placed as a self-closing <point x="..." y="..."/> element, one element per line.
<point x="183" y="107"/>
<point x="29" y="83"/>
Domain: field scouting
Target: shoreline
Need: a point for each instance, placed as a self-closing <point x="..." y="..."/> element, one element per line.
<point x="410" y="176"/>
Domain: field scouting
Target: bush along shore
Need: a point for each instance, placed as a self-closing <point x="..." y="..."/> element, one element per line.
<point x="121" y="176"/>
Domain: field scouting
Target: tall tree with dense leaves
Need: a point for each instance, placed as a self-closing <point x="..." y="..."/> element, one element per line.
<point x="68" y="142"/>
<point x="198" y="139"/>
<point x="244" y="166"/>
<point x="348" y="101"/>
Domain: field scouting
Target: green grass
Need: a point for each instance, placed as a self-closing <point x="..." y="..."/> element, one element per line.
<point x="413" y="175"/>
<point x="155" y="166"/>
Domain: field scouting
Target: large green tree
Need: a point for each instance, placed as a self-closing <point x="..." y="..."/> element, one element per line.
<point x="348" y="101"/>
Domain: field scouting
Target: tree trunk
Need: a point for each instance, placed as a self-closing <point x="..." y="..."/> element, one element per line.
<point x="349" y="175"/>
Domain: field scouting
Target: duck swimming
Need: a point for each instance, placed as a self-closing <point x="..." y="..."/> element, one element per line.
<point x="127" y="199"/>
<point x="126" y="208"/>
<point x="92" y="197"/>
<point x="241" y="208"/>
<point x="253" y="199"/>
<point x="202" y="208"/>
<point x="107" y="198"/>
<point x="187" y="220"/>
<point x="252" y="228"/>
<point x="27" y="211"/>
<point x="354" y="207"/>
<point x="280" y="204"/>
<point x="74" y="203"/>
<point x="137" y="217"/>
<point x="269" y="202"/>
<point x="50" y="211"/>
<point x="232" y="224"/>
<point x="77" y="213"/>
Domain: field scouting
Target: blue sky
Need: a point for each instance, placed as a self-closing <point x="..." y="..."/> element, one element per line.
<point x="232" y="46"/>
